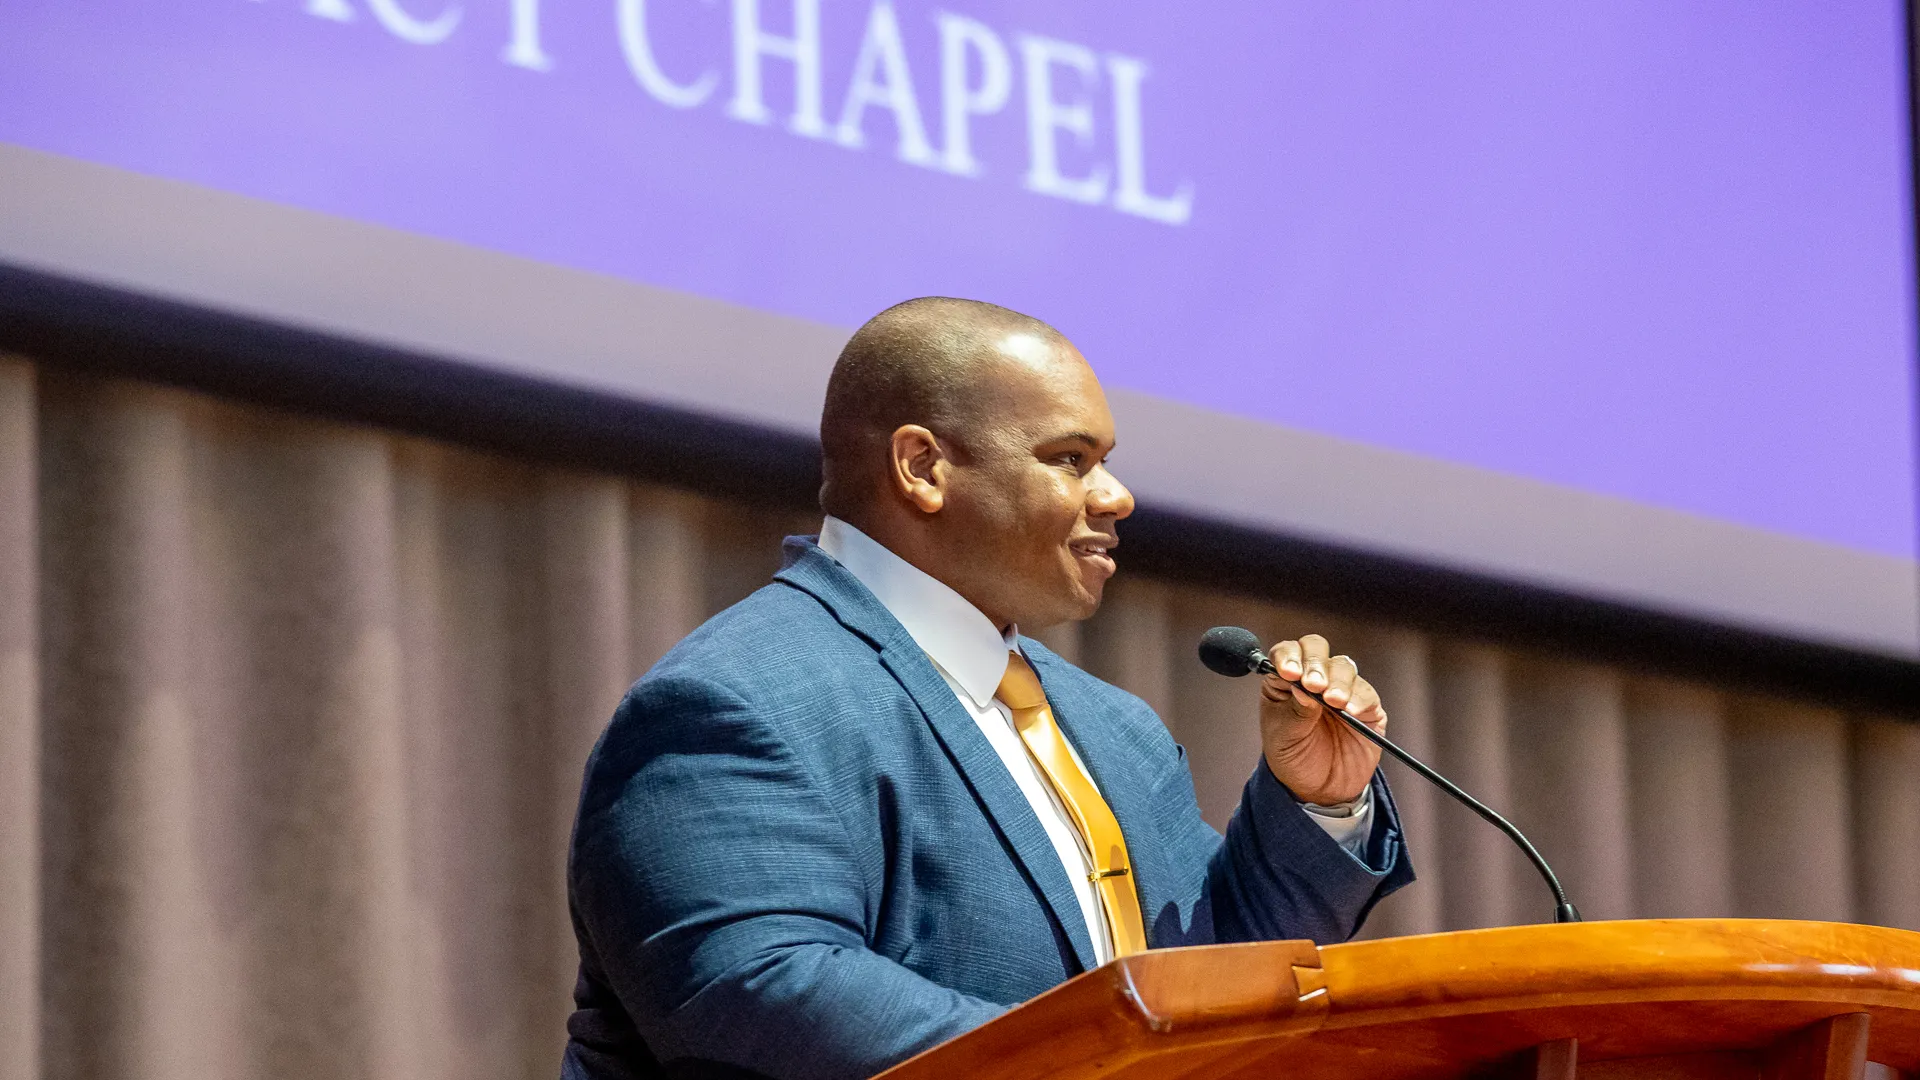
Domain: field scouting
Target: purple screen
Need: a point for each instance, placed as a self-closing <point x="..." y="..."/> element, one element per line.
<point x="1658" y="250"/>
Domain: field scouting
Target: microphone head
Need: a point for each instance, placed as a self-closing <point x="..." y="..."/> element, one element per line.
<point x="1230" y="650"/>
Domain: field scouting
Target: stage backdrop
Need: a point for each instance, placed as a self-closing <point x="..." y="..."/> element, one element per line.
<point x="1616" y="297"/>
<point x="293" y="713"/>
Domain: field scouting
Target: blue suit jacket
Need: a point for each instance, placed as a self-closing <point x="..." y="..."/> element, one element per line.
<point x="796" y="855"/>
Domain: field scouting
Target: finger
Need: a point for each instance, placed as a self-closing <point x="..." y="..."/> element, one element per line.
<point x="1365" y="706"/>
<point x="1313" y="662"/>
<point x="1342" y="673"/>
<point x="1286" y="657"/>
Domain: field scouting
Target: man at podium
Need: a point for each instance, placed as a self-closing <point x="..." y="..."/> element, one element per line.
<point x="857" y="813"/>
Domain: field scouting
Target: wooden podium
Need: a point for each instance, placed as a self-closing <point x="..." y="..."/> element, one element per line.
<point x="1670" y="999"/>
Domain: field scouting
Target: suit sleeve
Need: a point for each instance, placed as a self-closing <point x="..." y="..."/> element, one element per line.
<point x="725" y="903"/>
<point x="1276" y="874"/>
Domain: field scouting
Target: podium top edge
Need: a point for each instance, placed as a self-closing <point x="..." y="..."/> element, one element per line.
<point x="1626" y="960"/>
<point x="1750" y="977"/>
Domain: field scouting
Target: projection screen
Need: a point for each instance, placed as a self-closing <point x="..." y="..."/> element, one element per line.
<point x="1611" y="297"/>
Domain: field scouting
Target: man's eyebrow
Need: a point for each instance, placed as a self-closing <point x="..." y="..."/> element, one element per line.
<point x="1075" y="436"/>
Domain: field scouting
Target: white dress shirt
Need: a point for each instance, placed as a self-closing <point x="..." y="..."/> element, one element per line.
<point x="971" y="654"/>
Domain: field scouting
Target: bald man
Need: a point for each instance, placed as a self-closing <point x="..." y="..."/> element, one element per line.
<point x="857" y="813"/>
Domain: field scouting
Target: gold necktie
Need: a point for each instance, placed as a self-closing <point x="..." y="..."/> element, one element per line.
<point x="1112" y="874"/>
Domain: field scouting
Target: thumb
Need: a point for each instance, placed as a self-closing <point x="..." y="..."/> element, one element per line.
<point x="1281" y="693"/>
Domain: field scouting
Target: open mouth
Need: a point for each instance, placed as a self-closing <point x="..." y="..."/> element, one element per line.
<point x="1096" y="550"/>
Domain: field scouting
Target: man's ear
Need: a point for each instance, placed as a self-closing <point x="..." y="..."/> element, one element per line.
<point x="919" y="468"/>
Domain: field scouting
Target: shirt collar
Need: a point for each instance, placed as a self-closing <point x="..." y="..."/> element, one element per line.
<point x="959" y="638"/>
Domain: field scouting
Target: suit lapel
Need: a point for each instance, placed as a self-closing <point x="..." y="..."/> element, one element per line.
<point x="994" y="787"/>
<point x="811" y="570"/>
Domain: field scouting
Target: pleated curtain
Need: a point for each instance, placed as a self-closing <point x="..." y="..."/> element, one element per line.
<point x="292" y="716"/>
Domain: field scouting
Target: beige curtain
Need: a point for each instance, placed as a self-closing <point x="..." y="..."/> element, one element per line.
<point x="292" y="714"/>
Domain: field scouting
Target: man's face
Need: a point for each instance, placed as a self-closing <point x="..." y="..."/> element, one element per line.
<point x="1031" y="499"/>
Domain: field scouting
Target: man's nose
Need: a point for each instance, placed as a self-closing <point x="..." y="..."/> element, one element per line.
<point x="1107" y="496"/>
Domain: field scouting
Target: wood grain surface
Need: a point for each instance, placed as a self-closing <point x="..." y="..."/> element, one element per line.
<point x="1667" y="999"/>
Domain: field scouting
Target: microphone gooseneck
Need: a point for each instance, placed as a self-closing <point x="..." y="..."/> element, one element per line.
<point x="1234" y="651"/>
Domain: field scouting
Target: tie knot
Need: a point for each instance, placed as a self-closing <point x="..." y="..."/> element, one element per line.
<point x="1020" y="687"/>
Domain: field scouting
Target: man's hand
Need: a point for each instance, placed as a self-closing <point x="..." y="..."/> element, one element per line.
<point x="1309" y="749"/>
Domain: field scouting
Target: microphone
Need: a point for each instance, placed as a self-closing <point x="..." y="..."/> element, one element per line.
<point x="1233" y="651"/>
